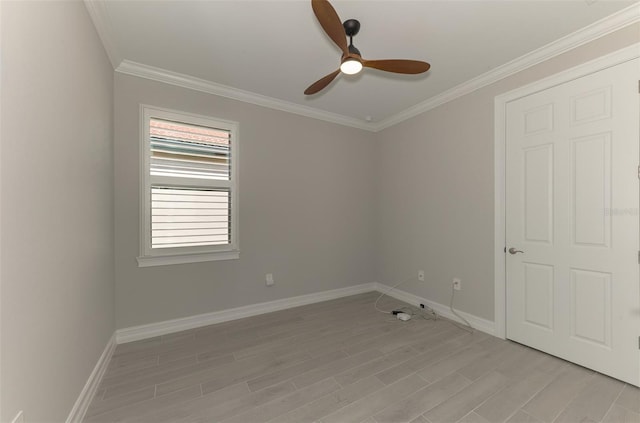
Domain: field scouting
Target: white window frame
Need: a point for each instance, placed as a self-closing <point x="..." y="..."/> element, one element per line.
<point x="178" y="255"/>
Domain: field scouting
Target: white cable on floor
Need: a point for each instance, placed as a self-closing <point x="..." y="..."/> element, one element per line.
<point x="375" y="305"/>
<point x="468" y="328"/>
<point x="405" y="309"/>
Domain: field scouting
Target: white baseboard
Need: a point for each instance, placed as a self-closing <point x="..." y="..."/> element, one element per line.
<point x="89" y="391"/>
<point x="478" y="323"/>
<point x="19" y="418"/>
<point x="151" y="330"/>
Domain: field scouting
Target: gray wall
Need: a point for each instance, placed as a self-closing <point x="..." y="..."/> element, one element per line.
<point x="57" y="206"/>
<point x="306" y="194"/>
<point x="316" y="199"/>
<point x="435" y="174"/>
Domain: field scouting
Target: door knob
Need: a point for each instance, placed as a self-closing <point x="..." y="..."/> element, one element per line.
<point x="514" y="251"/>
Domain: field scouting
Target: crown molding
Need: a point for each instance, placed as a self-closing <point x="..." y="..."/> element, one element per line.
<point x="611" y="23"/>
<point x="174" y="78"/>
<point x="101" y="22"/>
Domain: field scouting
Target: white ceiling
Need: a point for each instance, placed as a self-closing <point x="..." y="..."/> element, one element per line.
<point x="277" y="48"/>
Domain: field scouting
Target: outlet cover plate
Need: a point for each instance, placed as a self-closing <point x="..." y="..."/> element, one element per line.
<point x="269" y="279"/>
<point x="457" y="284"/>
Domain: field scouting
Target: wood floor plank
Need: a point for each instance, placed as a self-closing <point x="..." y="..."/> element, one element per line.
<point x="424" y="359"/>
<point x="295" y="370"/>
<point x="315" y="341"/>
<point x="300" y="342"/>
<point x="400" y="338"/>
<point x="463" y="402"/>
<point x="375" y="366"/>
<point x="422" y="400"/>
<point x="619" y="414"/>
<point x="509" y="399"/>
<point x="593" y="401"/>
<point x="334" y="368"/>
<point x="119" y="367"/>
<point x="237" y="371"/>
<point x="376" y="402"/>
<point x="126" y="377"/>
<point x="328" y="404"/>
<point x="630" y="398"/>
<point x="489" y="361"/>
<point x="121" y="401"/>
<point x="523" y="417"/>
<point x="524" y="363"/>
<point x="274" y="409"/>
<point x="217" y="411"/>
<point x="473" y="417"/>
<point x="164" y="402"/>
<point x="449" y="334"/>
<point x="355" y="338"/>
<point x="191" y="410"/>
<point x="451" y="364"/>
<point x="550" y="402"/>
<point x="417" y="331"/>
<point x="144" y="344"/>
<point x="163" y="376"/>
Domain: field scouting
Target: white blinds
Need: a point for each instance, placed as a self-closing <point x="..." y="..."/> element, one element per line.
<point x="181" y="150"/>
<point x="189" y="216"/>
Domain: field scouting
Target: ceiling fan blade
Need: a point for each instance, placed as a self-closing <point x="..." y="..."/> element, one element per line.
<point x="330" y="22"/>
<point x="321" y="83"/>
<point x="398" y="65"/>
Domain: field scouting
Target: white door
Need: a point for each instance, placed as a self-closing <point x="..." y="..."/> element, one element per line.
<point x="572" y="209"/>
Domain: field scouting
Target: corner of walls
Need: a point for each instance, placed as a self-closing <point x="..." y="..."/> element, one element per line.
<point x="436" y="188"/>
<point x="60" y="211"/>
<point x="312" y="229"/>
<point x="477" y="323"/>
<point x="80" y="407"/>
<point x="152" y="330"/>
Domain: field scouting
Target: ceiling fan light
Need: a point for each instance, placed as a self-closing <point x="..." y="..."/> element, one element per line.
<point x="351" y="66"/>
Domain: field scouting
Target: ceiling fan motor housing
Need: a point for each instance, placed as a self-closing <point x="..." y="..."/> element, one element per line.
<point x="351" y="27"/>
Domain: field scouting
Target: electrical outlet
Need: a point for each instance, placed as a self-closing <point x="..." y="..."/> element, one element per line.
<point x="421" y="275"/>
<point x="19" y="418"/>
<point x="269" y="279"/>
<point x="457" y="284"/>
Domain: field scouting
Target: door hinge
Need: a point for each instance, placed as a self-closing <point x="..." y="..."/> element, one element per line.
<point x="639" y="342"/>
<point x="638" y="172"/>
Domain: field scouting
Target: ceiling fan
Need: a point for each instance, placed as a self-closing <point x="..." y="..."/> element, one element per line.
<point x="352" y="62"/>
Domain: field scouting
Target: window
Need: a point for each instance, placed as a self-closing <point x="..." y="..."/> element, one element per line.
<point x="190" y="190"/>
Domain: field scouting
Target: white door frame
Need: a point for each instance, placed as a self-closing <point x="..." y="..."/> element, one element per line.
<point x="501" y="101"/>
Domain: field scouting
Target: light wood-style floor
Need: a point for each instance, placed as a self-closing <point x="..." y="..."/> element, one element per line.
<point x="341" y="361"/>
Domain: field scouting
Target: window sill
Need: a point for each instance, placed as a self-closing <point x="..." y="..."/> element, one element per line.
<point x="148" y="261"/>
